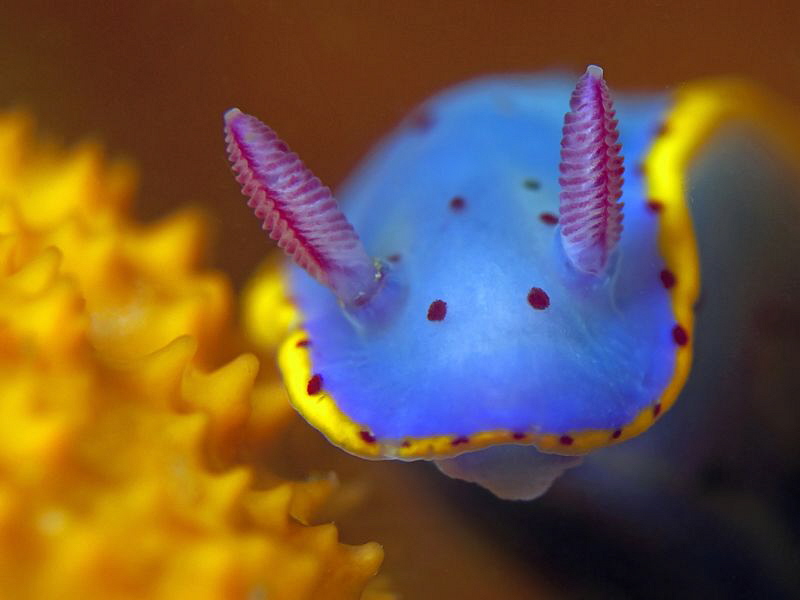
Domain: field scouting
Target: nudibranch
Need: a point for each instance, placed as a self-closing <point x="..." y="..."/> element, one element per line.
<point x="472" y="297"/>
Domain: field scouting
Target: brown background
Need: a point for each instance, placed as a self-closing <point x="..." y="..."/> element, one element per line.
<point x="152" y="78"/>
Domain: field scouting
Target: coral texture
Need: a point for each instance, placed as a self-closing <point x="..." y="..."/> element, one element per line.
<point x="123" y="460"/>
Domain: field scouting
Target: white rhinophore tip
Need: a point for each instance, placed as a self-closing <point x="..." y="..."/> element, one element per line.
<point x="595" y="71"/>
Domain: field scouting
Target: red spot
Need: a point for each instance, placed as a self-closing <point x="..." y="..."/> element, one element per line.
<point x="667" y="278"/>
<point x="367" y="437"/>
<point x="303" y="343"/>
<point x="393" y="258"/>
<point x="657" y="410"/>
<point x="663" y="129"/>
<point x="641" y="169"/>
<point x="437" y="310"/>
<point x="680" y="336"/>
<point x="538" y="298"/>
<point x="421" y="119"/>
<point x="314" y="385"/>
<point x="548" y="218"/>
<point x="457" y="204"/>
<point x="566" y="440"/>
<point x="405" y="444"/>
<point x="654" y="206"/>
<point x="518" y="435"/>
<point x="462" y="439"/>
<point x="616" y="434"/>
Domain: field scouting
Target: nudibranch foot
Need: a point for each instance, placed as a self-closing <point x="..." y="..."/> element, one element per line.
<point x="510" y="472"/>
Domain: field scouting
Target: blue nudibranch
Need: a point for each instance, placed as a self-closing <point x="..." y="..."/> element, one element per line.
<point x="476" y="299"/>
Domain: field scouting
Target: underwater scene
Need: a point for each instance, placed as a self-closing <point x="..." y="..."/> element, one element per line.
<point x="378" y="301"/>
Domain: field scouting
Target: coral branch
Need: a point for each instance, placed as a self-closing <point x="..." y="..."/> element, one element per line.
<point x="591" y="176"/>
<point x="297" y="210"/>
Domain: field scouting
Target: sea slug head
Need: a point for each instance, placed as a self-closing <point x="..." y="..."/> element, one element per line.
<point x="490" y="296"/>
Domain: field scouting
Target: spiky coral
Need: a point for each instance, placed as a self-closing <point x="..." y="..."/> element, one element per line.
<point x="121" y="470"/>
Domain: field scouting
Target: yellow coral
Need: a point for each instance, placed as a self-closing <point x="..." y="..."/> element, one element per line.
<point x="122" y="463"/>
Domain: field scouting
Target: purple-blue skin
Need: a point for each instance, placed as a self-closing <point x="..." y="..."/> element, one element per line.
<point x="459" y="306"/>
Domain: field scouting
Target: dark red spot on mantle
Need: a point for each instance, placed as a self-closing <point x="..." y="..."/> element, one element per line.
<point x="667" y="278"/>
<point x="405" y="444"/>
<point x="680" y="336"/>
<point x="437" y="310"/>
<point x="303" y="343"/>
<point x="663" y="129"/>
<point x="367" y="437"/>
<point x="518" y="435"/>
<point x="655" y="206"/>
<point x="538" y="298"/>
<point x="314" y="385"/>
<point x="640" y="169"/>
<point x="565" y="440"/>
<point x="393" y="258"/>
<point x="457" y="204"/>
<point x="657" y="409"/>
<point x="548" y="218"/>
<point x="421" y="119"/>
<point x="462" y="439"/>
<point x="616" y="434"/>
